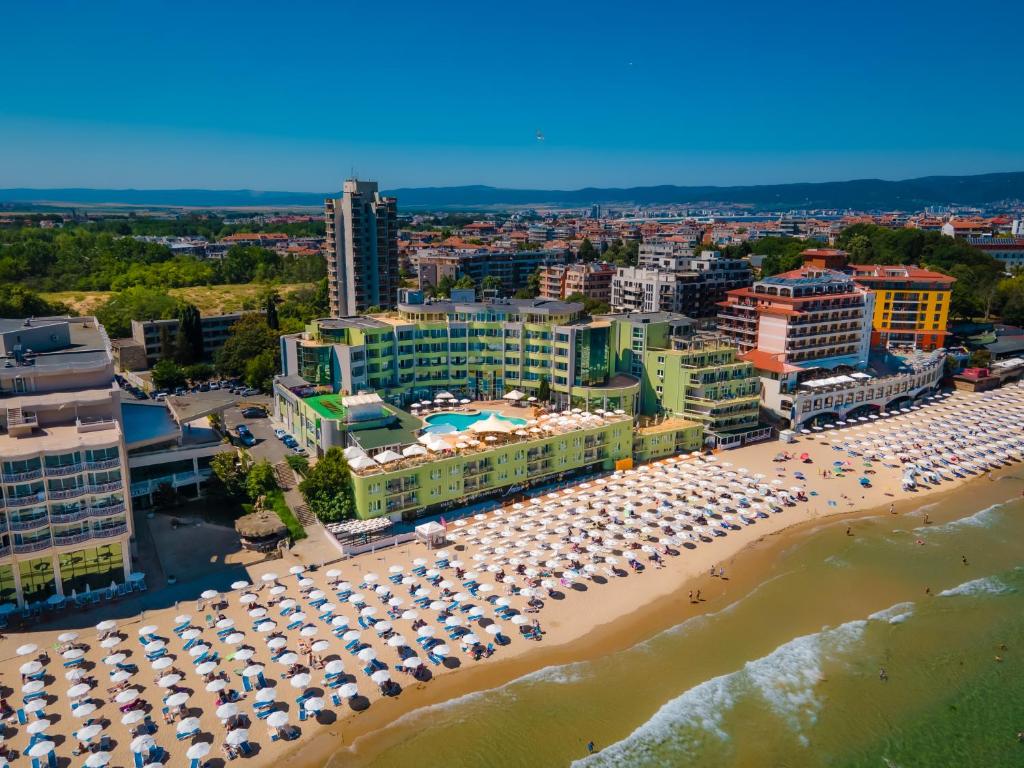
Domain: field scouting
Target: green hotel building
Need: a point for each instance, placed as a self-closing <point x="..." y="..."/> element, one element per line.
<point x="655" y="368"/>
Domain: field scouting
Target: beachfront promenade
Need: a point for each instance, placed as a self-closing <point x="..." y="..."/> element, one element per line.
<point x="254" y="660"/>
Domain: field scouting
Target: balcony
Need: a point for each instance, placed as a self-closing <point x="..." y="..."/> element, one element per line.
<point x="20" y="477"/>
<point x="64" y="539"/>
<point x="106" y="487"/>
<point x="70" y="517"/>
<point x="66" y="469"/>
<point x="33" y="546"/>
<point x="110" y="531"/>
<point x="23" y="501"/>
<point x="105" y="464"/>
<point x="29" y="524"/>
<point x="110" y="509"/>
<point x="68" y="493"/>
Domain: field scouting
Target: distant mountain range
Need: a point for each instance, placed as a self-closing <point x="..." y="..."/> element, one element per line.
<point x="861" y="194"/>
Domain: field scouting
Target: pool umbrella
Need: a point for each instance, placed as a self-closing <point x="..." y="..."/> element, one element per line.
<point x="188" y="725"/>
<point x="84" y="710"/>
<point x="216" y="686"/>
<point x="67" y="637"/>
<point x="300" y="680"/>
<point x="266" y="695"/>
<point x="127" y="696"/>
<point x="97" y="760"/>
<point x="177" y="699"/>
<point x="41" y="749"/>
<point x="277" y="719"/>
<point x="78" y="691"/>
<point x="314" y="704"/>
<point x="335" y="667"/>
<point x="31" y="668"/>
<point x="133" y="717"/>
<point x="160" y="664"/>
<point x="380" y="676"/>
<point x="142" y="744"/>
<point x="168" y="681"/>
<point x="87" y="732"/>
<point x="26" y="649"/>
<point x="38" y="726"/>
<point x="197" y="751"/>
<point x="226" y="711"/>
<point x="348" y="690"/>
<point x="235" y="738"/>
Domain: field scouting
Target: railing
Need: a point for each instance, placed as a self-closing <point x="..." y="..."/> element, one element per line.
<point x="67" y="469"/>
<point x="28" y="525"/>
<point x="68" y="493"/>
<point x="23" y="501"/>
<point x="70" y="517"/>
<point x="64" y="539"/>
<point x="105" y="464"/>
<point x="112" y="509"/>
<point x="106" y="487"/>
<point x="18" y="477"/>
<point x="32" y="546"/>
<point x="106" y="533"/>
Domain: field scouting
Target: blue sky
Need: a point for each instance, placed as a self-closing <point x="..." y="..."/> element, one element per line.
<point x="295" y="95"/>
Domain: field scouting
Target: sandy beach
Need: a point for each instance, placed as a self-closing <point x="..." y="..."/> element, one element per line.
<point x="581" y="612"/>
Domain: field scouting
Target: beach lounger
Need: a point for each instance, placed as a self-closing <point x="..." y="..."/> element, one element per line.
<point x="189" y="735"/>
<point x="295" y="625"/>
<point x="303" y="714"/>
<point x="395" y="579"/>
<point x="138" y="759"/>
<point x="246" y="749"/>
<point x="194" y="763"/>
<point x="22" y="719"/>
<point x="149" y="725"/>
<point x="247" y="684"/>
<point x="156" y="654"/>
<point x="72" y="663"/>
<point x="36" y="763"/>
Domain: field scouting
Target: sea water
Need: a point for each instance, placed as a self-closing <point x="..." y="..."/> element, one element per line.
<point x="789" y="673"/>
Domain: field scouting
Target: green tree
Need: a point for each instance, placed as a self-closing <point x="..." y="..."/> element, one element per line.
<point x="17" y="301"/>
<point x="860" y="249"/>
<point x="587" y="252"/>
<point x="464" y="282"/>
<point x="231" y="468"/>
<point x="590" y="305"/>
<point x="327" y="488"/>
<point x="543" y="390"/>
<point x="188" y="342"/>
<point x="249" y="337"/>
<point x="167" y="375"/>
<point x="260" y="480"/>
<point x="444" y="286"/>
<point x="491" y="283"/>
<point x="260" y="370"/>
<point x="138" y="303"/>
<point x="198" y="371"/>
<point x="270" y="310"/>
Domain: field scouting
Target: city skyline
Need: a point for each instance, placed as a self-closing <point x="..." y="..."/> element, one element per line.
<point x="565" y="98"/>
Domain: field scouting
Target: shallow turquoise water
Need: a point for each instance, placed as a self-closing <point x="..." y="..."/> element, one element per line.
<point x="787" y="674"/>
<point x="462" y="421"/>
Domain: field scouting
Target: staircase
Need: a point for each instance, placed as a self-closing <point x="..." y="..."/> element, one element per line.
<point x="304" y="516"/>
<point x="285" y="476"/>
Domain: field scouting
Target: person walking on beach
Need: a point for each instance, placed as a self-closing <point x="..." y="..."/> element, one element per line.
<point x="691" y="595"/>
<point x="590" y="747"/>
<point x="892" y="509"/>
<point x="698" y="596"/>
<point x="964" y="559"/>
<point x="883" y="675"/>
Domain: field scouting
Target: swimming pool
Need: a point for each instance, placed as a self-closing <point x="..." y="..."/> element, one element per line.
<point x="459" y="422"/>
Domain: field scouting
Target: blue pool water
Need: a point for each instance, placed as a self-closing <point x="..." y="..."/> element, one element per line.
<point x="458" y="422"/>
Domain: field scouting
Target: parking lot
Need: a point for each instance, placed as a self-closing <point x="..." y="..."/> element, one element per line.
<point x="267" y="446"/>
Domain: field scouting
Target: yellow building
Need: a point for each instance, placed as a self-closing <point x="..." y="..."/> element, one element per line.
<point x="911" y="305"/>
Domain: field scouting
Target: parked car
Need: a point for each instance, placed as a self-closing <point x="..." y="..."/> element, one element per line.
<point x="298" y="449"/>
<point x="254" y="412"/>
<point x="247" y="437"/>
<point x="280" y="434"/>
<point x="161" y="395"/>
<point x="290" y="441"/>
<point x="215" y="385"/>
<point x="179" y="391"/>
<point x="249" y="392"/>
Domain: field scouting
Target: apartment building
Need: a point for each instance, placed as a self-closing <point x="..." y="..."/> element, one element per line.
<point x="809" y="317"/>
<point x="1009" y="250"/>
<point x="361" y="249"/>
<point x="693" y="287"/>
<point x="593" y="280"/>
<point x="512" y="267"/>
<point x="154" y="334"/>
<point x="911" y="307"/>
<point x="65" y="513"/>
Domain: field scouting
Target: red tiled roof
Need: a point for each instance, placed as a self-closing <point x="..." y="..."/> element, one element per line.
<point x="765" y="361"/>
